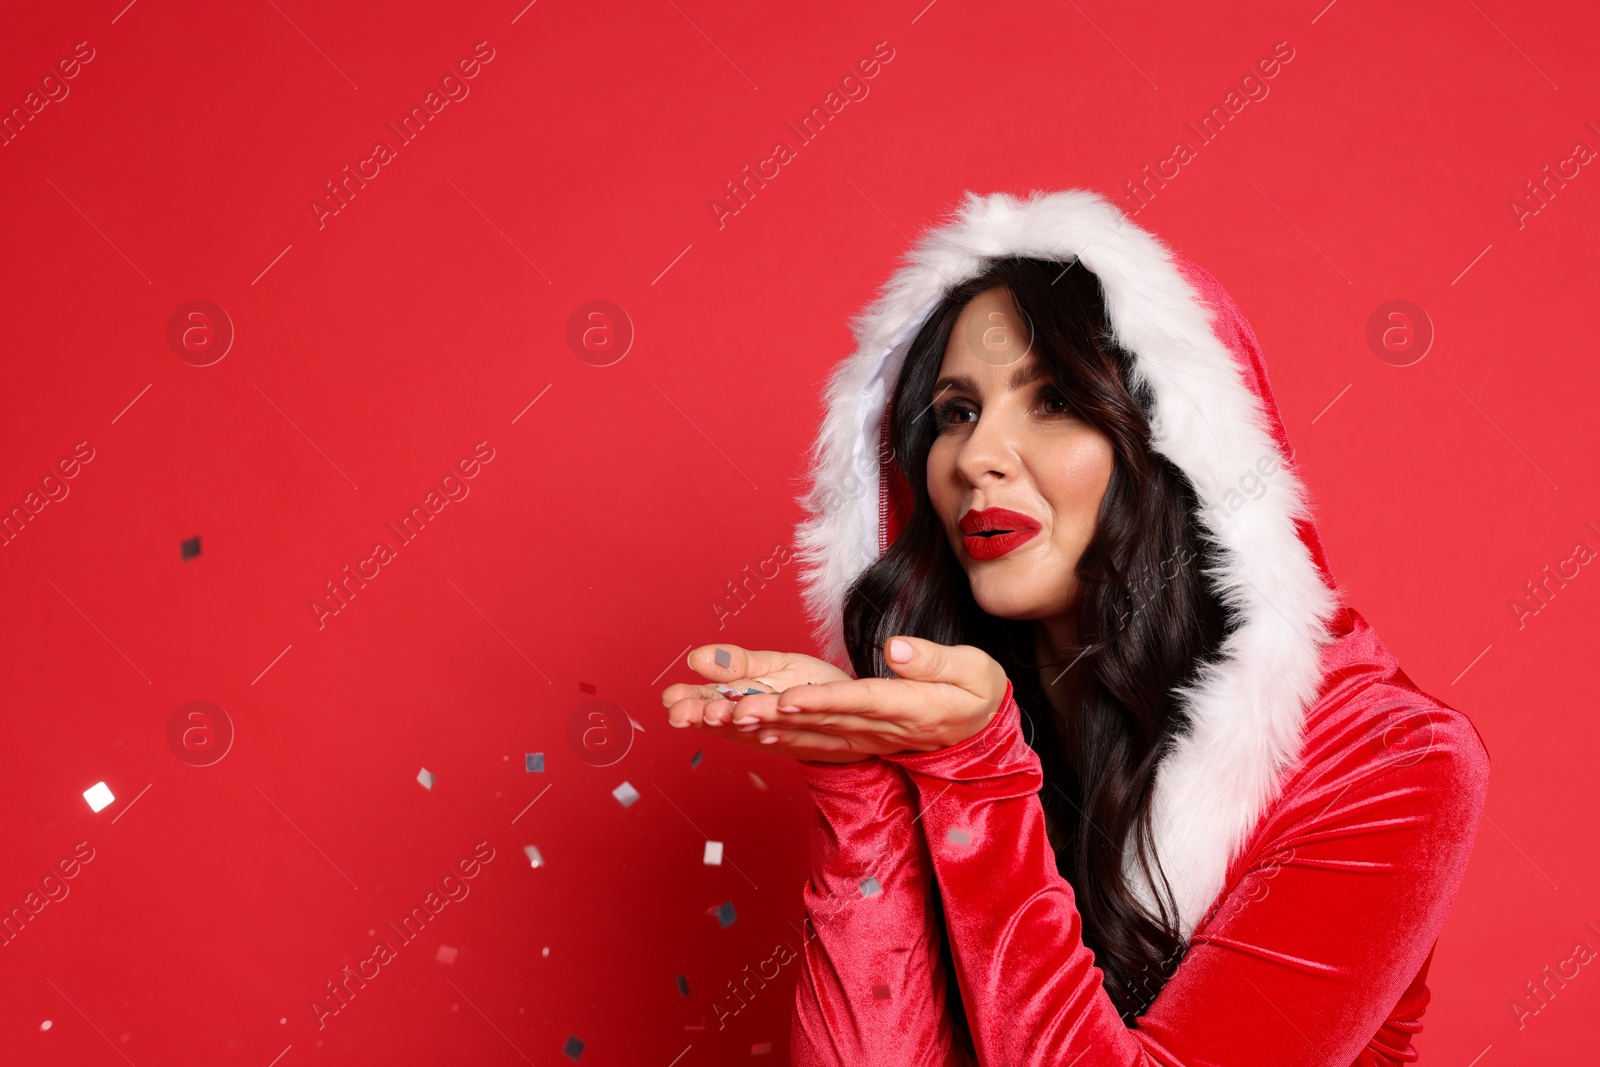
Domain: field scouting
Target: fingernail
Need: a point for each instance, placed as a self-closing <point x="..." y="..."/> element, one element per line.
<point x="772" y="740"/>
<point x="678" y="725"/>
<point x="787" y="707"/>
<point x="746" y="721"/>
<point x="900" y="651"/>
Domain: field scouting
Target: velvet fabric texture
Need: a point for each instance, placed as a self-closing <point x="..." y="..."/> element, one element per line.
<point x="1314" y="951"/>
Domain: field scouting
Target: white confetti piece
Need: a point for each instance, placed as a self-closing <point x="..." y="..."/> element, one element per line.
<point x="98" y="796"/>
<point x="713" y="857"/>
<point x="534" y="859"/>
<point x="625" y="793"/>
<point x="426" y="777"/>
<point x="446" y="954"/>
<point x="957" y="836"/>
<point x="870" y="887"/>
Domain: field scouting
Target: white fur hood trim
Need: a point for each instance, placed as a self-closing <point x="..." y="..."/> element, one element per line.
<point x="1248" y="709"/>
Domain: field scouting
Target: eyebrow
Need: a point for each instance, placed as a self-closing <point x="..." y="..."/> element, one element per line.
<point x="1024" y="375"/>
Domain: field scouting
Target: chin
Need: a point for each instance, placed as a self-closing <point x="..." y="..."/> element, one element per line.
<point x="1017" y="587"/>
<point x="1015" y="598"/>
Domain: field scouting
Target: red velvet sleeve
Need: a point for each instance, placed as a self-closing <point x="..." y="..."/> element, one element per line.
<point x="872" y="983"/>
<point x="1314" y="946"/>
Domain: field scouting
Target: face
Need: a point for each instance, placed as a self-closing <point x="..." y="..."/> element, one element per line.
<point x="1015" y="474"/>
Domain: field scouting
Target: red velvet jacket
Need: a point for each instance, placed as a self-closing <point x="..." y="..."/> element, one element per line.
<point x="1316" y="953"/>
<point x="1314" y="819"/>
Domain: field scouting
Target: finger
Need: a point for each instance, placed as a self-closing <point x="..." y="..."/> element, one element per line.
<point x="742" y="662"/>
<point x="686" y="712"/>
<point x="755" y="712"/>
<point x="681" y="690"/>
<point x="720" y="712"/>
<point x="749" y="711"/>
<point x="692" y="711"/>
<point x="916" y="659"/>
<point x="712" y="703"/>
<point x="869" y="697"/>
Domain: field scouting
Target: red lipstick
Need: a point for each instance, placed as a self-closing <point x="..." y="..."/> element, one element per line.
<point x="992" y="532"/>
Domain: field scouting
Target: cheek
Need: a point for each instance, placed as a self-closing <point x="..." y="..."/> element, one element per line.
<point x="943" y="491"/>
<point x="1078" y="471"/>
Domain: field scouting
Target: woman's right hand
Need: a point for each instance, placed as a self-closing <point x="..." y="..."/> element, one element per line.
<point x="701" y="706"/>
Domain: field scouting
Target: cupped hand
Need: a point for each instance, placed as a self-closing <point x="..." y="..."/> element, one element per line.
<point x="941" y="695"/>
<point x="702" y="707"/>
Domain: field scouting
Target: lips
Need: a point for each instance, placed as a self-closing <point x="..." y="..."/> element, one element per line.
<point x="993" y="532"/>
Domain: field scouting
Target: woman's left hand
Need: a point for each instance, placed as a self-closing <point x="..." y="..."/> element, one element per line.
<point x="943" y="695"/>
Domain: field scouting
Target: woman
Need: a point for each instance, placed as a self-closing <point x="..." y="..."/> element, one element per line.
<point x="1115" y="758"/>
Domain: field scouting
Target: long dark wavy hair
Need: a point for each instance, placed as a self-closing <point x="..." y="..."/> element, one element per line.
<point x="1148" y="618"/>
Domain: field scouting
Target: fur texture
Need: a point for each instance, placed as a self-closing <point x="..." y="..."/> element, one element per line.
<point x="1248" y="708"/>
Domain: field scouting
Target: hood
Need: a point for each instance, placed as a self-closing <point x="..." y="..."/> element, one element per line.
<point x="1214" y="418"/>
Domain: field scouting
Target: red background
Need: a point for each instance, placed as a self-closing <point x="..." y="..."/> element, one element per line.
<point x="374" y="352"/>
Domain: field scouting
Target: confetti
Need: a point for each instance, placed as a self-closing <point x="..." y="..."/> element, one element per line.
<point x="713" y="857"/>
<point x="761" y="1049"/>
<point x="547" y="952"/>
<point x="683" y="985"/>
<point x="635" y="723"/>
<point x="534" y="859"/>
<point x="98" y="796"/>
<point x="446" y="954"/>
<point x="870" y="887"/>
<point x="694" y="760"/>
<point x="957" y="836"/>
<point x="625" y="793"/>
<point x="723" y="659"/>
<point x="47" y="1024"/>
<point x="725" y="915"/>
<point x="533" y="762"/>
<point x="756" y="779"/>
<point x="573" y="1047"/>
<point x="880" y="992"/>
<point x="190" y="548"/>
<point x="426" y="777"/>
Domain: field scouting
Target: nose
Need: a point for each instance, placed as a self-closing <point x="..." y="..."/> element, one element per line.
<point x="989" y="453"/>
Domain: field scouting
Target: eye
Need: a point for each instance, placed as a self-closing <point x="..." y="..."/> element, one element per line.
<point x="951" y="413"/>
<point x="1052" y="401"/>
